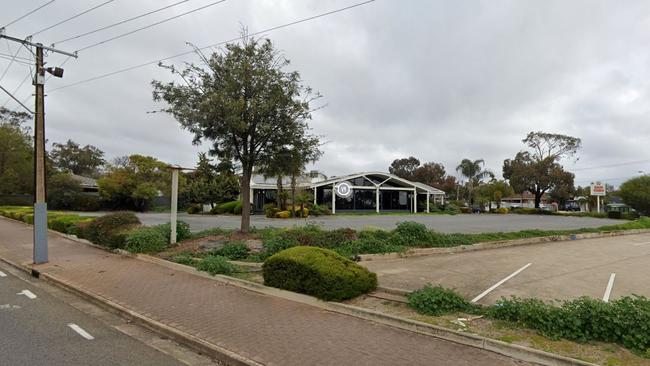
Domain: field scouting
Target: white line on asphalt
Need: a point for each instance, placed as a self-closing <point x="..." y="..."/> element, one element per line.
<point x="640" y="244"/>
<point x="81" y="332"/>
<point x="2" y="274"/>
<point x="479" y="297"/>
<point x="608" y="290"/>
<point x="27" y="293"/>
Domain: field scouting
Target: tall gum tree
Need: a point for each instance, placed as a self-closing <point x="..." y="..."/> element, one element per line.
<point x="538" y="170"/>
<point x="242" y="101"/>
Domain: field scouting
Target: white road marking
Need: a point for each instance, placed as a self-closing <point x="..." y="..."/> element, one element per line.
<point x="2" y="274"/>
<point x="81" y="332"/>
<point x="608" y="290"/>
<point x="27" y="293"/>
<point x="479" y="297"/>
<point x="641" y="244"/>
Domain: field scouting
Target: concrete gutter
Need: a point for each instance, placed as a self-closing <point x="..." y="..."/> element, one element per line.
<point x="417" y="252"/>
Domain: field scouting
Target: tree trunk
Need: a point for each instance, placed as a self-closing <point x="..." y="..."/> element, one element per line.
<point x="278" y="196"/>
<point x="246" y="199"/>
<point x="538" y="198"/>
<point x="293" y="195"/>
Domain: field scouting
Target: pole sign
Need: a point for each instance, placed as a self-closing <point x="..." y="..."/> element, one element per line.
<point x="598" y="189"/>
<point x="343" y="189"/>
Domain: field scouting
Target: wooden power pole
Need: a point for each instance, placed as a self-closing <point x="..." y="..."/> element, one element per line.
<point x="40" y="199"/>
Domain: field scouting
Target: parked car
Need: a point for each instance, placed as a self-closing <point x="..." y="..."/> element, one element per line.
<point x="572" y="206"/>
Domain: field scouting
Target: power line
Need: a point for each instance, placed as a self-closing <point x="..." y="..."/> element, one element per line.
<point x="73" y="17"/>
<point x="16" y="99"/>
<point x="29" y="13"/>
<point x="20" y="61"/>
<point x="614" y="165"/>
<point x="212" y="45"/>
<point x="11" y="62"/>
<point x="149" y="26"/>
<point x="19" y="58"/>
<point x="19" y="86"/>
<point x="121" y="22"/>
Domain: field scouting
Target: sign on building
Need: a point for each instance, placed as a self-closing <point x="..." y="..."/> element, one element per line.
<point x="343" y="189"/>
<point x="598" y="189"/>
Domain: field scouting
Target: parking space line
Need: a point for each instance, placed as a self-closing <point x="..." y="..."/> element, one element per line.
<point x="27" y="293"/>
<point x="2" y="274"/>
<point x="641" y="244"/>
<point x="610" y="285"/>
<point x="80" y="331"/>
<point x="484" y="293"/>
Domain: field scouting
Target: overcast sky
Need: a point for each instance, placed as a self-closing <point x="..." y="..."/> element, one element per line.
<point x="439" y="80"/>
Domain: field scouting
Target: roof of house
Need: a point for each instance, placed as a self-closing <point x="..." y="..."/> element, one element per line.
<point x="86" y="182"/>
<point x="307" y="182"/>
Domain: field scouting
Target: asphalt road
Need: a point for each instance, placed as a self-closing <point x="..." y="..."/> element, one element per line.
<point x="36" y="331"/>
<point x="609" y="267"/>
<point x="477" y="223"/>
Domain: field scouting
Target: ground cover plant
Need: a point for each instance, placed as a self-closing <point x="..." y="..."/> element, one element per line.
<point x="318" y="272"/>
<point x="625" y="321"/>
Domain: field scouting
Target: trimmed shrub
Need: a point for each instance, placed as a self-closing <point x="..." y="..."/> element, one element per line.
<point x="438" y="300"/>
<point x="411" y="234"/>
<point x="318" y="210"/>
<point x="283" y="215"/>
<point x="64" y="224"/>
<point x="318" y="272"/>
<point x="214" y="264"/>
<point x="86" y="202"/>
<point x="500" y="210"/>
<point x="182" y="231"/>
<point x="194" y="209"/>
<point x="632" y="215"/>
<point x="270" y="210"/>
<point x="237" y="208"/>
<point x="233" y="250"/>
<point x="110" y="230"/>
<point x="145" y="240"/>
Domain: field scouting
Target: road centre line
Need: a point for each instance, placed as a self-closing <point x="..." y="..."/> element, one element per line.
<point x="484" y="293"/>
<point x="80" y="331"/>
<point x="2" y="274"/>
<point x="27" y="293"/>
<point x="610" y="285"/>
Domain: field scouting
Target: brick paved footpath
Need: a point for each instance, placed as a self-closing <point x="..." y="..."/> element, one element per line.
<point x="267" y="329"/>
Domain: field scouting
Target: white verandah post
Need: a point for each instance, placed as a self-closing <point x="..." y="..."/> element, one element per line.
<point x="333" y="198"/>
<point x="415" y="200"/>
<point x="377" y="200"/>
<point x="428" y="201"/>
<point x="314" y="195"/>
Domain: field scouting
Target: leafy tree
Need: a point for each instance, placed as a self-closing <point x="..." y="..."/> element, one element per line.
<point x="70" y="157"/>
<point x="405" y="167"/>
<point x="62" y="191"/>
<point x="435" y="175"/>
<point x="495" y="191"/>
<point x="132" y="182"/>
<point x="16" y="153"/>
<point x="243" y="102"/>
<point x="474" y="172"/>
<point x="636" y="193"/>
<point x="209" y="185"/>
<point x="538" y="170"/>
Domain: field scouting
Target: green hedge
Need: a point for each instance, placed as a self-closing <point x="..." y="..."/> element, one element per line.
<point x="109" y="230"/>
<point x="145" y="240"/>
<point x="318" y="272"/>
<point x="437" y="300"/>
<point x="228" y="207"/>
<point x="625" y="321"/>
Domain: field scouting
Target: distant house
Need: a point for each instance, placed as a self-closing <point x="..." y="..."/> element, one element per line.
<point x="87" y="184"/>
<point x="525" y="199"/>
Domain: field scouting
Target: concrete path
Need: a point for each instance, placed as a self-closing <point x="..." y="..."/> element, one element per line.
<point x="269" y="330"/>
<point x="477" y="223"/>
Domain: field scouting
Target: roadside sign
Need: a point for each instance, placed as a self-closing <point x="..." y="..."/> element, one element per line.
<point x="598" y="189"/>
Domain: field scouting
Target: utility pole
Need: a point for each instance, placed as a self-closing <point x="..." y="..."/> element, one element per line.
<point x="40" y="254"/>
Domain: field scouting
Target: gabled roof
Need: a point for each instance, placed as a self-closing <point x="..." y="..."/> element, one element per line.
<point x="386" y="176"/>
<point x="85" y="181"/>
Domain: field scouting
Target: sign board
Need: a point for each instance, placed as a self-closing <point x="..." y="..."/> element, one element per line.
<point x="598" y="189"/>
<point x="343" y="189"/>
